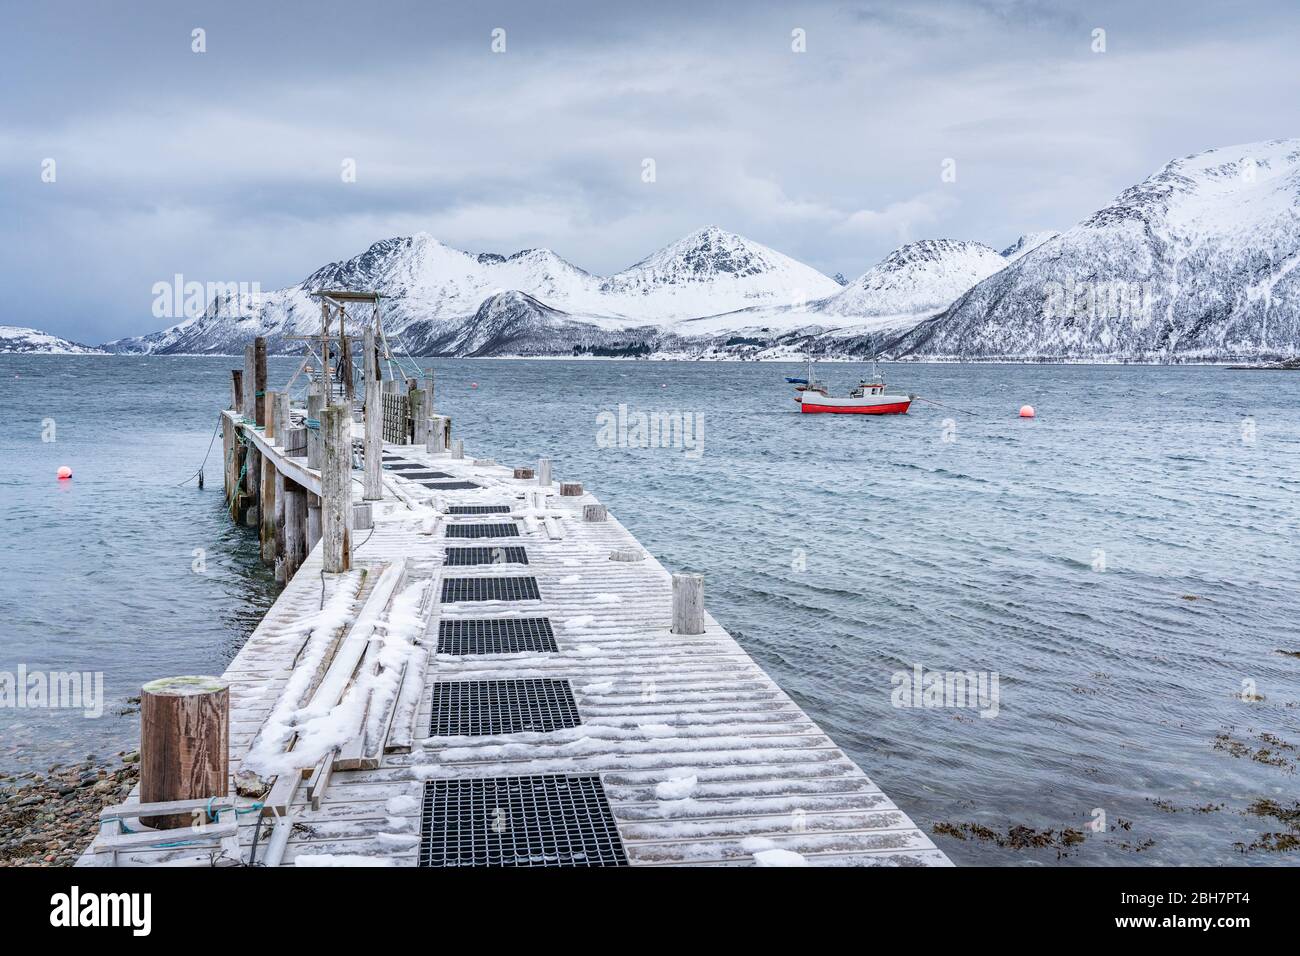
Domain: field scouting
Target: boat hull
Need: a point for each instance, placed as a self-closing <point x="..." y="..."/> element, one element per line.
<point x="812" y="404"/>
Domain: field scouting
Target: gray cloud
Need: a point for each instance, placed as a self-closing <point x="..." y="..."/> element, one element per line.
<point x="225" y="166"/>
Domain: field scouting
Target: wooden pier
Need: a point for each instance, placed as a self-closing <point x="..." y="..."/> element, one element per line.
<point x="474" y="664"/>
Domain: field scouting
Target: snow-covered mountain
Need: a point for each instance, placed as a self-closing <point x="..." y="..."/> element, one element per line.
<point x="432" y="291"/>
<point x="914" y="281"/>
<point x="1197" y="262"/>
<point x="14" y="339"/>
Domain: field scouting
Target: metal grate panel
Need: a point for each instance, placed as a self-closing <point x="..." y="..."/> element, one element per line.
<point x="449" y="485"/>
<point x="479" y="510"/>
<point x="505" y="530"/>
<point x="486" y="708"/>
<point x="400" y="465"/>
<point x="424" y="474"/>
<point x="544" y="820"/>
<point x="496" y="635"/>
<point x="455" y="590"/>
<point x="510" y="554"/>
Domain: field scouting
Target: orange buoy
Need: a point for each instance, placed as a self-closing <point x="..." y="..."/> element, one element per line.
<point x="473" y="384"/>
<point x="64" y="472"/>
<point x="1026" y="411"/>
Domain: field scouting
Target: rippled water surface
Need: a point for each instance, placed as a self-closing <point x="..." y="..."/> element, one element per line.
<point x="1123" y="563"/>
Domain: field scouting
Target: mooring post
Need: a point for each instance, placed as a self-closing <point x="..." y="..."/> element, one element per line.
<point x="184" y="743"/>
<point x="315" y="406"/>
<point x="415" y="409"/>
<point x="374" y="423"/>
<point x="229" y="472"/>
<point x="428" y="389"/>
<point x="437" y="440"/>
<point x="457" y="448"/>
<point x="688" y="604"/>
<point x="544" y="472"/>
<point x="593" y="513"/>
<point x="259" y="379"/>
<point x="345" y="365"/>
<point x="336" y="489"/>
<point x="282" y="419"/>
<point x="570" y="489"/>
<point x="236" y="389"/>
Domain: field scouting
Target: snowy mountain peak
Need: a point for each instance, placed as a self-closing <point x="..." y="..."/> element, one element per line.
<point x="919" y="278"/>
<point x="15" y="338"/>
<point x="1028" y="243"/>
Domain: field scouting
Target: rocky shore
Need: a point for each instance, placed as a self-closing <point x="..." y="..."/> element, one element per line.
<point x="48" y="819"/>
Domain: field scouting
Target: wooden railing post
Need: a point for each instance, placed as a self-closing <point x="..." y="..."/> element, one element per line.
<point x="336" y="489"/>
<point x="236" y="389"/>
<point x="688" y="604"/>
<point x="184" y="743"/>
<point x="374" y="423"/>
<point x="315" y="406"/>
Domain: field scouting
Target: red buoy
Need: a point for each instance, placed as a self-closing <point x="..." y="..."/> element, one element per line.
<point x="1026" y="411"/>
<point x="64" y="472"/>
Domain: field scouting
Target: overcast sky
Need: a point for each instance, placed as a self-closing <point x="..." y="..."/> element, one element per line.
<point x="225" y="166"/>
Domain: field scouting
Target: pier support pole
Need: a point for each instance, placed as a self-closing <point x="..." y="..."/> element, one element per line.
<point x="374" y="423"/>
<point x="336" y="489"/>
<point x="544" y="472"/>
<point x="266" y="509"/>
<point x="259" y="379"/>
<point x="295" y="528"/>
<point x="229" y="460"/>
<point x="271" y="401"/>
<point x="313" y="523"/>
<point x="688" y="604"/>
<point x="184" y="743"/>
<point x="415" y="409"/>
<point x="236" y="389"/>
<point x="248" y="407"/>
<point x="281" y="548"/>
<point x="437" y="440"/>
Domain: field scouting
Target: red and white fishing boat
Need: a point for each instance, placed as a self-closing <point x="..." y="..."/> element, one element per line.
<point x="869" y="398"/>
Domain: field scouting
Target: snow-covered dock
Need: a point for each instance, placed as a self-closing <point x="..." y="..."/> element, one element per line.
<point x="494" y="672"/>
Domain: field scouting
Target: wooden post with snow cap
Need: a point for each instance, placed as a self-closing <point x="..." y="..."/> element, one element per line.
<point x="259" y="379"/>
<point x="415" y="411"/>
<point x="436" y="443"/>
<point x="544" y="472"/>
<point x="374" y="422"/>
<point x="184" y="743"/>
<point x="336" y="489"/>
<point x="688" y="604"/>
<point x="315" y="407"/>
<point x="248" y="405"/>
<point x="457" y="448"/>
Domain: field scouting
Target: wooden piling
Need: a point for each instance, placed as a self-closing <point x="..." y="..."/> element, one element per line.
<point x="282" y="420"/>
<point x="373" y="488"/>
<point x="362" y="516"/>
<point x="236" y="389"/>
<point x="313" y="521"/>
<point x="266" y="509"/>
<point x="345" y="365"/>
<point x="336" y="489"/>
<point x="544" y="472"/>
<point x="315" y="407"/>
<point x="416" y="415"/>
<point x="570" y="489"/>
<point x="436" y="441"/>
<point x="688" y="604"/>
<point x="259" y="379"/>
<point x="522" y="473"/>
<point x="248" y="408"/>
<point x="281" y="571"/>
<point x="295" y="528"/>
<point x="272" y="410"/>
<point x="457" y="448"/>
<point x="594" y="513"/>
<point x="229" y="470"/>
<point x="184" y="743"/>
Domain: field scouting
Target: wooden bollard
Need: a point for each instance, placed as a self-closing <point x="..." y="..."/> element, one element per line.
<point x="268" y="417"/>
<point x="544" y="472"/>
<point x="259" y="379"/>
<point x="336" y="489"/>
<point x="436" y="442"/>
<point x="295" y="444"/>
<point x="248" y="405"/>
<point x="282" y="419"/>
<point x="184" y="743"/>
<point x="373" y="489"/>
<point x="313" y="523"/>
<point x="570" y="489"/>
<point x="524" y="473"/>
<point x="266" y="509"/>
<point x="295" y="528"/>
<point x="415" y="410"/>
<point x="594" y="513"/>
<point x="688" y="604"/>
<point x="281" y="548"/>
<point x="236" y="389"/>
<point x="362" y="516"/>
<point x="485" y="462"/>
<point x="457" y="448"/>
<point x="627" y="554"/>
